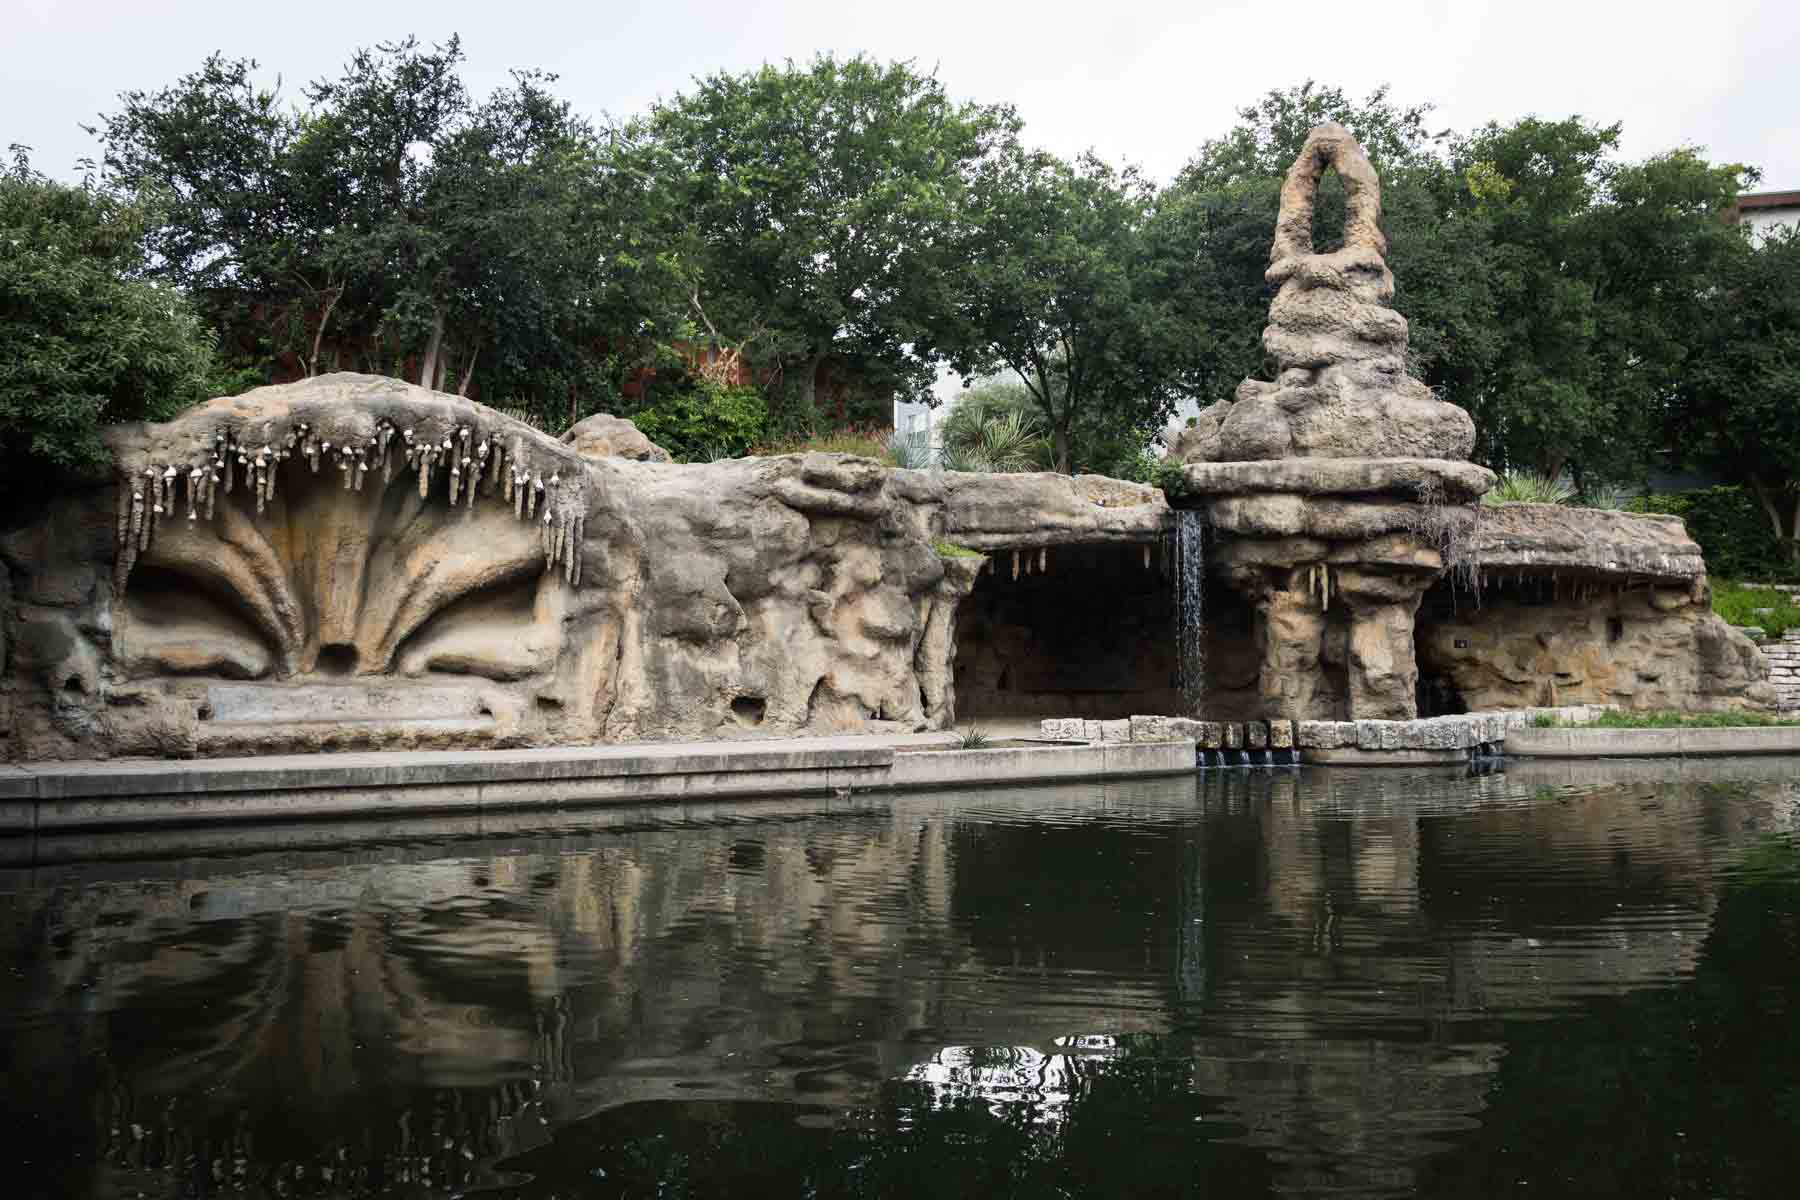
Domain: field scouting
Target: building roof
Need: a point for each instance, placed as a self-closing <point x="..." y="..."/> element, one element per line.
<point x="1769" y="200"/>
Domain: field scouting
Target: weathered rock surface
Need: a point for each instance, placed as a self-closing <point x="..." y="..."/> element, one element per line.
<point x="1601" y="645"/>
<point x="1580" y="605"/>
<point x="606" y="436"/>
<point x="1420" y="480"/>
<point x="1597" y="543"/>
<point x="370" y="564"/>
<point x="1341" y="389"/>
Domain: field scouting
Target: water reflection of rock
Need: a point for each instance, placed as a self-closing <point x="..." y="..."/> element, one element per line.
<point x="1331" y="952"/>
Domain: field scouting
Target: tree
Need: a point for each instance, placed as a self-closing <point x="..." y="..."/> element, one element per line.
<point x="1737" y="407"/>
<point x="85" y="340"/>
<point x="1068" y="287"/>
<point x="392" y="224"/>
<point x="812" y="207"/>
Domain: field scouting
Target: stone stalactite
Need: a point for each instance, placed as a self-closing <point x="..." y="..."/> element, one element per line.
<point x="478" y="463"/>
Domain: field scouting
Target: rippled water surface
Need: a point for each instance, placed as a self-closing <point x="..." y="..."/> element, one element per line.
<point x="1558" y="981"/>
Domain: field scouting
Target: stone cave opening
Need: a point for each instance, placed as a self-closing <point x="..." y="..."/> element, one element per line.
<point x="1070" y="631"/>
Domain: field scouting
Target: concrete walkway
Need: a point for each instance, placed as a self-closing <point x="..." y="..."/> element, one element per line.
<point x="142" y="793"/>
<point x="1653" y="743"/>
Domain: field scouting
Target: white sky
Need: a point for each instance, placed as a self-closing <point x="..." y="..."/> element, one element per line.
<point x="1145" y="82"/>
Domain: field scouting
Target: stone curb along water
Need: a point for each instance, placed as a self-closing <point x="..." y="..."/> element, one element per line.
<point x="83" y="796"/>
<point x="1449" y="733"/>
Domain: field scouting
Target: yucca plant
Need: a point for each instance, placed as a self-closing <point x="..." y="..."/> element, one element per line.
<point x="1529" y="487"/>
<point x="994" y="438"/>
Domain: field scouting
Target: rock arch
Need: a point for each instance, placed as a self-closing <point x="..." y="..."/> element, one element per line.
<point x="1327" y="146"/>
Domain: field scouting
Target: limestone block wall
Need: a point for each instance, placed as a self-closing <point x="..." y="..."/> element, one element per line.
<point x="1784" y="669"/>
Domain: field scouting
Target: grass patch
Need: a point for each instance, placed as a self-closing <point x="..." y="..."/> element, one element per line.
<point x="952" y="550"/>
<point x="1613" y="719"/>
<point x="1738" y="605"/>
<point x="865" y="441"/>
<point x="973" y="738"/>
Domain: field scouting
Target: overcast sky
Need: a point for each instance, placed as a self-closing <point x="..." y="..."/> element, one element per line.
<point x="1141" y="82"/>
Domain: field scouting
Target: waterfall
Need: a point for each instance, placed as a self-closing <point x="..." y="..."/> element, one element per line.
<point x="1189" y="545"/>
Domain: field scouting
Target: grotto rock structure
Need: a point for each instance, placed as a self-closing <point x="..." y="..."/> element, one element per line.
<point x="354" y="562"/>
<point x="1341" y="490"/>
<point x="351" y="562"/>
<point x="1340" y="499"/>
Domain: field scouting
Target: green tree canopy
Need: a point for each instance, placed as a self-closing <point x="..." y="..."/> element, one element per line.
<point x="1551" y="291"/>
<point x="392" y="224"/>
<point x="85" y="340"/>
<point x="815" y="205"/>
<point x="1737" y="402"/>
<point x="1066" y="283"/>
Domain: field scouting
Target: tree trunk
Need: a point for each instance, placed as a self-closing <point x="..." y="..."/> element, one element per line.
<point x="428" y="368"/>
<point x="809" y="384"/>
<point x="462" y="389"/>
<point x="1059" y="441"/>
<point x="312" y="361"/>
<point x="1789" y="538"/>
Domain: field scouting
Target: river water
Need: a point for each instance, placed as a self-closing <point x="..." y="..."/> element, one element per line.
<point x="1578" y="981"/>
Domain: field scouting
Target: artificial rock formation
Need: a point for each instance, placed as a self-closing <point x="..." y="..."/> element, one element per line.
<point x="351" y="561"/>
<point x="1339" y="489"/>
<point x="1578" y="606"/>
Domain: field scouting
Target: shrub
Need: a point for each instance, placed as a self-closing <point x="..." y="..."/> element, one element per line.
<point x="1528" y="487"/>
<point x="995" y="428"/>
<point x="865" y="441"/>
<point x="1739" y="605"/>
<point x="911" y="451"/>
<point x="705" y="422"/>
<point x="1160" y="473"/>
<point x="85" y="342"/>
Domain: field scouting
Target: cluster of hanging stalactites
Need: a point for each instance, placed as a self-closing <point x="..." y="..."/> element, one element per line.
<point x="469" y="463"/>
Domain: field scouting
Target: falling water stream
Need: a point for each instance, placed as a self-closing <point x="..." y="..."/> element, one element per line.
<point x="1189" y="559"/>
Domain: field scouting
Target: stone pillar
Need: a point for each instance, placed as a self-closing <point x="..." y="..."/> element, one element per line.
<point x="1383" y="669"/>
<point x="1290" y="627"/>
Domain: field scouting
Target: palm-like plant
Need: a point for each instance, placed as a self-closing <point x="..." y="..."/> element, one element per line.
<point x="1529" y="487"/>
<point x="993" y="430"/>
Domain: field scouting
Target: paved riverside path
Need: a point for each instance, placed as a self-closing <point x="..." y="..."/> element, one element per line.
<point x="147" y="792"/>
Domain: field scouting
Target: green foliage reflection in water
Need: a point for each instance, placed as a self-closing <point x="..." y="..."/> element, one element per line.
<point x="1692" y="1090"/>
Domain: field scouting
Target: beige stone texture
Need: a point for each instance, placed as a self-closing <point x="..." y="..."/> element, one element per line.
<point x="380" y="539"/>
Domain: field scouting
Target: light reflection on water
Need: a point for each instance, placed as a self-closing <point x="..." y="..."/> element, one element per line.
<point x="1257" y="981"/>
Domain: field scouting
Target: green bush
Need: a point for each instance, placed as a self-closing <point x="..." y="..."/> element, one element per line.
<point x="1739" y="604"/>
<point x="1160" y="473"/>
<point x="864" y="441"/>
<point x="705" y="422"/>
<point x="84" y="341"/>
<point x="1731" y="528"/>
<point x="1615" y="719"/>
<point x="1528" y="487"/>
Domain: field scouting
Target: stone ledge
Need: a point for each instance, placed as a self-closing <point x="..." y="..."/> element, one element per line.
<point x="1464" y="732"/>
<point x="1350" y="756"/>
<point x="1444" y="480"/>
<point x="1006" y="764"/>
<point x="1653" y="743"/>
<point x="1598" y="543"/>
<point x="90" y="796"/>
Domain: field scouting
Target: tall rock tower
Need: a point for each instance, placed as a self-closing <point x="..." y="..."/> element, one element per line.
<point x="1341" y="489"/>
